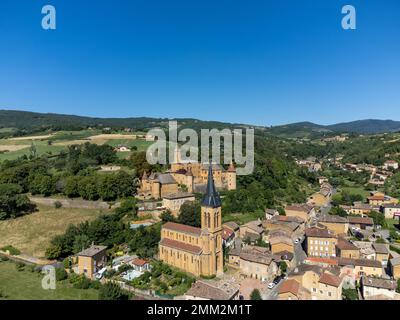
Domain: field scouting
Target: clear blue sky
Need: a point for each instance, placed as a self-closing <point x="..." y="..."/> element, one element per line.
<point x="260" y="62"/>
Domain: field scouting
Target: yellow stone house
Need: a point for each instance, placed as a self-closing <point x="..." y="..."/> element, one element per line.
<point x="92" y="260"/>
<point x="196" y="250"/>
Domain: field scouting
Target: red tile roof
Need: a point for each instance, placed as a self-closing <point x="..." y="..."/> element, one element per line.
<point x="330" y="280"/>
<point x="180" y="246"/>
<point x="360" y="220"/>
<point x="182" y="228"/>
<point x="319" y="233"/>
<point x="291" y="286"/>
<point x="330" y="261"/>
<point x="139" y="262"/>
<point x="343" y="244"/>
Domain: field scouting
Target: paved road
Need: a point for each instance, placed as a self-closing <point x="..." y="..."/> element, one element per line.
<point x="272" y="294"/>
<point x="299" y="254"/>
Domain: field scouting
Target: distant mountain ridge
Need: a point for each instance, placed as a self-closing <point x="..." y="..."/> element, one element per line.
<point x="368" y="126"/>
<point x="33" y="121"/>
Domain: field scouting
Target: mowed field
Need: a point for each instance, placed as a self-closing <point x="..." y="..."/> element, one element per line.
<point x="52" y="144"/>
<point x="27" y="285"/>
<point x="31" y="234"/>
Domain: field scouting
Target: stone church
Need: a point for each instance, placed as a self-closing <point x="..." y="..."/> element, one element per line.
<point x="196" y="250"/>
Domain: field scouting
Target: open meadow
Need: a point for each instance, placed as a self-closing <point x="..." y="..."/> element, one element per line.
<point x="31" y="234"/>
<point x="27" y="285"/>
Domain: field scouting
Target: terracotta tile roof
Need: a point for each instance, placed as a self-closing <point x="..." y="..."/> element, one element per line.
<point x="299" y="207"/>
<point x="331" y="261"/>
<point x="257" y="255"/>
<point x="290" y="285"/>
<point x="180" y="246"/>
<point x="92" y="251"/>
<point x="379" y="283"/>
<point x="319" y="233"/>
<point x="139" y="262"/>
<point x="231" y="225"/>
<point x="343" y="244"/>
<point x="288" y="219"/>
<point x="280" y="239"/>
<point x="182" y="228"/>
<point x="380" y="248"/>
<point x="332" y="219"/>
<point x="213" y="290"/>
<point x="330" y="280"/>
<point x="360" y="220"/>
<point x="360" y="262"/>
<point x="376" y="198"/>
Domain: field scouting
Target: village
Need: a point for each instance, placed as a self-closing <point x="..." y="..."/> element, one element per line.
<point x="300" y="253"/>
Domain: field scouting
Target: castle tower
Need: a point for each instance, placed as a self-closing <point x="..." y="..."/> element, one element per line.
<point x="189" y="180"/>
<point x="231" y="177"/>
<point x="211" y="230"/>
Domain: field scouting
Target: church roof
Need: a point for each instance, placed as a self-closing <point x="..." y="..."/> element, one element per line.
<point x="182" y="228"/>
<point x="180" y="246"/>
<point x="211" y="198"/>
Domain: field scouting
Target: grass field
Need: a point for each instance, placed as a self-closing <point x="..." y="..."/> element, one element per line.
<point x="240" y="218"/>
<point x="26" y="285"/>
<point x="32" y="233"/>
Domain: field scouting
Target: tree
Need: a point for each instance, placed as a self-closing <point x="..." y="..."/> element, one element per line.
<point x="337" y="211"/>
<point x="398" y="286"/>
<point x="81" y="242"/>
<point x="12" y="203"/>
<point x="61" y="274"/>
<point x="255" y="295"/>
<point x="379" y="218"/>
<point x="140" y="164"/>
<point x="166" y="216"/>
<point x="283" y="267"/>
<point x="112" y="291"/>
<point x="190" y="214"/>
<point x="350" y="294"/>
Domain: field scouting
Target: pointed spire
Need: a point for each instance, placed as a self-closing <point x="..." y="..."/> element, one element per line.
<point x="211" y="199"/>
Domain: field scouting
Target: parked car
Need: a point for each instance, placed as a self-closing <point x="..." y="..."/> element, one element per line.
<point x="271" y="285"/>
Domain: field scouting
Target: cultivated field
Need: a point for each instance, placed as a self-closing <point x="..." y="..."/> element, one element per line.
<point x="32" y="233"/>
<point x="52" y="144"/>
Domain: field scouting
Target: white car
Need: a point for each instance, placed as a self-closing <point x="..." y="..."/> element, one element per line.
<point x="271" y="285"/>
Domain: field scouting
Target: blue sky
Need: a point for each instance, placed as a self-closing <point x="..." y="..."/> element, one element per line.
<point x="260" y="62"/>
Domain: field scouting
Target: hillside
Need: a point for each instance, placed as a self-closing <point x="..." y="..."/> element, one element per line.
<point x="11" y="121"/>
<point x="312" y="130"/>
<point x="369" y="126"/>
<point x="27" y="122"/>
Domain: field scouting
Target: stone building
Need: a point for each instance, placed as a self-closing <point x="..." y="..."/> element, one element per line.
<point x="196" y="250"/>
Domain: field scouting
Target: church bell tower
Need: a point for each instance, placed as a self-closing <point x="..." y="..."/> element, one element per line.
<point x="211" y="229"/>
